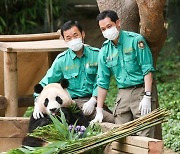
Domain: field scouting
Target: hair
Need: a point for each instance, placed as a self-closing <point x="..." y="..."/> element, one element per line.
<point x="107" y="13"/>
<point x="68" y="25"/>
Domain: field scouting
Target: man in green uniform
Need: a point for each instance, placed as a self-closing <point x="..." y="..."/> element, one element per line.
<point x="126" y="56"/>
<point x="78" y="64"/>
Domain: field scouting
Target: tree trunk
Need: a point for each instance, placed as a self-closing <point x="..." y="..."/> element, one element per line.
<point x="151" y="26"/>
<point x="127" y="11"/>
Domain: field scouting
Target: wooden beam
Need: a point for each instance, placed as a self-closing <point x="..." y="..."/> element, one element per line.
<point x="34" y="46"/>
<point x="141" y="141"/>
<point x="12" y="132"/>
<point x="23" y="101"/>
<point x="129" y="148"/>
<point x="26" y="101"/>
<point x="30" y="37"/>
<point x="13" y="126"/>
<point x="3" y="102"/>
<point x="9" y="143"/>
<point x="133" y="144"/>
<point x="10" y="83"/>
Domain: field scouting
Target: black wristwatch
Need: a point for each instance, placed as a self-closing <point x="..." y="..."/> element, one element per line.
<point x="147" y="93"/>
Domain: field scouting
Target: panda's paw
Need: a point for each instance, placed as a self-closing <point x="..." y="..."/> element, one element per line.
<point x="37" y="114"/>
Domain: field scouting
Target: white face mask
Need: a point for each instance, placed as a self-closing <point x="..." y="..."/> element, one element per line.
<point x="111" y="34"/>
<point x="75" y="44"/>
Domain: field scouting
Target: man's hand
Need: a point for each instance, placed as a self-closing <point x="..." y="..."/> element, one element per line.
<point x="99" y="115"/>
<point x="89" y="106"/>
<point x="37" y="114"/>
<point x="145" y="105"/>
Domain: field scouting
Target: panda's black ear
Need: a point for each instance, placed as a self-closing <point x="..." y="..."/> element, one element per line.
<point x="38" y="88"/>
<point x="64" y="83"/>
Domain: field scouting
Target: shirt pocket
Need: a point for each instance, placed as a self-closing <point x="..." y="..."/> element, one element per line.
<point x="131" y="64"/>
<point x="72" y="78"/>
<point x="113" y="66"/>
<point x="91" y="73"/>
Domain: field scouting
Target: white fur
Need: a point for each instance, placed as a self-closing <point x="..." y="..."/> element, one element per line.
<point x="51" y="91"/>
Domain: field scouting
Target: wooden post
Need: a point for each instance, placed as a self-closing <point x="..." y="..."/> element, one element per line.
<point x="10" y="83"/>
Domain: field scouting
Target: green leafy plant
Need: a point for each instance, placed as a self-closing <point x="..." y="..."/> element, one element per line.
<point x="168" y="84"/>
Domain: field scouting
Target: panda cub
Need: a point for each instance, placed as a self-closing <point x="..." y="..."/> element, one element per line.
<point x="51" y="99"/>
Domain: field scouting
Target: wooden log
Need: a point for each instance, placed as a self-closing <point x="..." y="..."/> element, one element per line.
<point x="3" y="102"/>
<point x="10" y="83"/>
<point x="30" y="37"/>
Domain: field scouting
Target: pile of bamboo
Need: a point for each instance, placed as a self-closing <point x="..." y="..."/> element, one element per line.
<point x="155" y="117"/>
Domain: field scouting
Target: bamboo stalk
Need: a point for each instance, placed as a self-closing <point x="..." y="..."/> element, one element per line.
<point x="155" y="117"/>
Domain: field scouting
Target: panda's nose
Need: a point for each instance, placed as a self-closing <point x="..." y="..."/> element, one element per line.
<point x="53" y="110"/>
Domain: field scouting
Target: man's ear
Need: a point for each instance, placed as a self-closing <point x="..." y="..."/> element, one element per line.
<point x="118" y="24"/>
<point x="38" y="88"/>
<point x="83" y="35"/>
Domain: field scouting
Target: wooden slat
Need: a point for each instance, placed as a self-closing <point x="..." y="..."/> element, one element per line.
<point x="138" y="144"/>
<point x="129" y="148"/>
<point x="29" y="37"/>
<point x="34" y="46"/>
<point x="13" y="127"/>
<point x="9" y="143"/>
<point x="108" y="150"/>
<point x="140" y="141"/>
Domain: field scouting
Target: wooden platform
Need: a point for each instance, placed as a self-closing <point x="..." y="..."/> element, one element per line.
<point x="133" y="144"/>
<point x="13" y="129"/>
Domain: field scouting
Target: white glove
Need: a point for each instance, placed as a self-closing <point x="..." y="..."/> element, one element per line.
<point x="88" y="107"/>
<point x="145" y="105"/>
<point x="37" y="114"/>
<point x="99" y="116"/>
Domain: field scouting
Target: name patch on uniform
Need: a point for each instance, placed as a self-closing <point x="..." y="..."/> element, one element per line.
<point x="71" y="67"/>
<point x="91" y="65"/>
<point x="111" y="57"/>
<point x="141" y="44"/>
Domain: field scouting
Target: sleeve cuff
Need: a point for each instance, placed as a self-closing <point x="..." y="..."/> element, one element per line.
<point x="147" y="68"/>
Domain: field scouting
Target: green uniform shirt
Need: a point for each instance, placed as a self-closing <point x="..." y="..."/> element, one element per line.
<point x="80" y="72"/>
<point x="129" y="61"/>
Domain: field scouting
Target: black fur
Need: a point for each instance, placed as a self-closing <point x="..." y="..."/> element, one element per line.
<point x="38" y="88"/>
<point x="71" y="118"/>
<point x="64" y="83"/>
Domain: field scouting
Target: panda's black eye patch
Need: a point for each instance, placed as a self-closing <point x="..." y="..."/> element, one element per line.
<point x="46" y="102"/>
<point x="59" y="100"/>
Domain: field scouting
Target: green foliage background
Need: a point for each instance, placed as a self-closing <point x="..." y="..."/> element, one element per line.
<point x="26" y="16"/>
